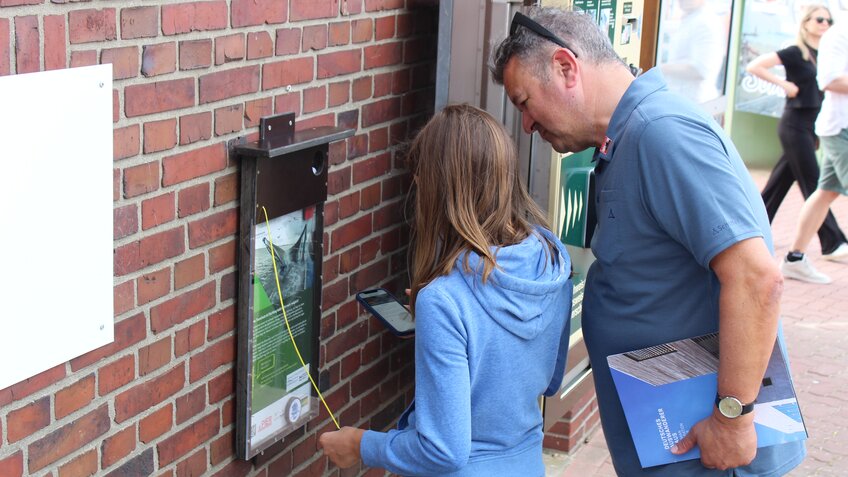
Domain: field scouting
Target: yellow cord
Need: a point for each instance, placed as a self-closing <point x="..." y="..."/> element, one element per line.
<point x="286" y="319"/>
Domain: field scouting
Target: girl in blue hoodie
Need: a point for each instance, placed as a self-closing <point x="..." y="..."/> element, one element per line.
<point x="491" y="294"/>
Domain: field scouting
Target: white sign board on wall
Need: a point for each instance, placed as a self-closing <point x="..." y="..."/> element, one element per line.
<point x="56" y="210"/>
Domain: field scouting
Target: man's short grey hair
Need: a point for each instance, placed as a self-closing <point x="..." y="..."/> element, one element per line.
<point x="577" y="29"/>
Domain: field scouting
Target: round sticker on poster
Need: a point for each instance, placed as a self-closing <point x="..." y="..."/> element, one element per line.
<point x="293" y="410"/>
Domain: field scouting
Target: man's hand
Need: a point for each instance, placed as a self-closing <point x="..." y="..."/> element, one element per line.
<point x="342" y="446"/>
<point x="725" y="443"/>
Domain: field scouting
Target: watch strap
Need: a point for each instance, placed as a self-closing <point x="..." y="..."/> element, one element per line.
<point x="746" y="408"/>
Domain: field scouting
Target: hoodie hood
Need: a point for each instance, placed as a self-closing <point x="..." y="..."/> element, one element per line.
<point x="524" y="284"/>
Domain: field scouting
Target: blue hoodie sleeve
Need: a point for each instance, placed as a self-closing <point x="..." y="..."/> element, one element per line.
<point x="440" y="440"/>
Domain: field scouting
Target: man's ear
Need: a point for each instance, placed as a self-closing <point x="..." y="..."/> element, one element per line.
<point x="566" y="63"/>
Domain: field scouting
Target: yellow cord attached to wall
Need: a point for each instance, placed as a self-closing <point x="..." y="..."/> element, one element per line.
<point x="286" y="319"/>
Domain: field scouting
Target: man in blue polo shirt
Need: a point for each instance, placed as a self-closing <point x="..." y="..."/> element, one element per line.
<point x="683" y="245"/>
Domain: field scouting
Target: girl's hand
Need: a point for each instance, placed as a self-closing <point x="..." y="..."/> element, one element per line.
<point x="342" y="446"/>
<point x="791" y="89"/>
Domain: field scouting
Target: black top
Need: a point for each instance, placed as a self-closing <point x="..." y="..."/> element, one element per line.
<point x="803" y="74"/>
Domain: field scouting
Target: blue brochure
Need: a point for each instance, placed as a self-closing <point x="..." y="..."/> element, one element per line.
<point x="666" y="389"/>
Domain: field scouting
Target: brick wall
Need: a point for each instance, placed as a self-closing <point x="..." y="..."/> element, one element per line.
<point x="188" y="78"/>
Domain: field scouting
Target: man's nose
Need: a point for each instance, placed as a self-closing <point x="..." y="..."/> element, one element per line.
<point x="527" y="123"/>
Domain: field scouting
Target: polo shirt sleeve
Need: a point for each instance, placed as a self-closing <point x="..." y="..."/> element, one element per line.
<point x="691" y="188"/>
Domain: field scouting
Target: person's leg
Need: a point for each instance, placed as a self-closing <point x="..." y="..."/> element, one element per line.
<point x="778" y="184"/>
<point x="812" y="217"/>
<point x="799" y="144"/>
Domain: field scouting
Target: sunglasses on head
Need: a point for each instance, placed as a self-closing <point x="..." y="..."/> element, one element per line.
<point x="523" y="20"/>
<point x="823" y="20"/>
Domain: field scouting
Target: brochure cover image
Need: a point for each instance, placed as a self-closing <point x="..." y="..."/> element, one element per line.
<point x="666" y="389"/>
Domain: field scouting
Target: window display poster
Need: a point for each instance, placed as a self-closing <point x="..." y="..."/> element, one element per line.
<point x="281" y="395"/>
<point x="767" y="26"/>
<point x="603" y="11"/>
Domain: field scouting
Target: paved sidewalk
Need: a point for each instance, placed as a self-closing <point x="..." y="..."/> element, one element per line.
<point x="815" y="320"/>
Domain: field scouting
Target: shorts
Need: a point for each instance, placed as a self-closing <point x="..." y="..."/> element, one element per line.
<point x="834" y="166"/>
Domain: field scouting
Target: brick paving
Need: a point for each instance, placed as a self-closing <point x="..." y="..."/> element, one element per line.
<point x="815" y="321"/>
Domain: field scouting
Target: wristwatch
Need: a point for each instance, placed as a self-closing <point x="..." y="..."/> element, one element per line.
<point x="731" y="407"/>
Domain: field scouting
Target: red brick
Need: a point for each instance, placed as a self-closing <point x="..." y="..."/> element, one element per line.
<point x="27" y="48"/>
<point x="74" y="397"/>
<point x="339" y="33"/>
<point x="116" y="106"/>
<point x="182" y="307"/>
<point x="349" y="205"/>
<point x="194" y="16"/>
<point x="157" y="211"/>
<point x="371" y="196"/>
<point x="5" y="54"/>
<point x="194" y="199"/>
<point x="338" y="153"/>
<point x="339" y="63"/>
<point x="184" y="441"/>
<point x="28" y="419"/>
<point x="221" y="353"/>
<point x="328" y="119"/>
<point x="188" y="271"/>
<point x="401" y="81"/>
<point x="118" y="446"/>
<point x="148" y="251"/>
<point x="286" y="73"/>
<point x="382" y="84"/>
<point x="378" y="140"/>
<point x="115" y="375"/>
<point x="314" y="37"/>
<point x="154" y="356"/>
<point x="125" y="221"/>
<point x="380" y="111"/>
<point x="339" y="93"/>
<point x="69" y="438"/>
<point x="338" y="180"/>
<point x="349" y="260"/>
<point x="258" y="12"/>
<point x="149" y="393"/>
<point x="375" y="5"/>
<point x="384" y="28"/>
<point x="150" y="98"/>
<point x="189" y="339"/>
<point x="311" y="9"/>
<point x="351" y="232"/>
<point x="193" y="465"/>
<point x="15" y="3"/>
<point x="124" y="61"/>
<point x="192" y="164"/>
<point x="226" y="189"/>
<point x="124" y="296"/>
<point x="212" y="228"/>
<point x="362" y="88"/>
<point x="229" y="48"/>
<point x="156" y="424"/>
<point x="160" y="135"/>
<point x="371" y="168"/>
<point x="83" y="58"/>
<point x="12" y="466"/>
<point x="195" y="54"/>
<point x="362" y="30"/>
<point x="229" y="83"/>
<point x="383" y="55"/>
<point x="83" y="465"/>
<point x="92" y="25"/>
<point x="229" y="119"/>
<point x="153" y="285"/>
<point x="222" y="257"/>
<point x="55" y="51"/>
<point x="221" y="449"/>
<point x="357" y="146"/>
<point x="221" y="323"/>
<point x="159" y="59"/>
<point x="125" y="142"/>
<point x="195" y="127"/>
<point x="139" y="22"/>
<point x="256" y="109"/>
<point x="287" y="103"/>
<point x="229" y="286"/>
<point x="287" y="41"/>
<point x="351" y="7"/>
<point x="314" y="99"/>
<point x="190" y="405"/>
<point x="141" y="179"/>
<point x="259" y="45"/>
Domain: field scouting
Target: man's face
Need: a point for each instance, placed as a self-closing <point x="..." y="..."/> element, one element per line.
<point x="546" y="105"/>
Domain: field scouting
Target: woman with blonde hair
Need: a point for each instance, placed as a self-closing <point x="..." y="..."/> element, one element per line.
<point x="797" y="135"/>
<point x="491" y="293"/>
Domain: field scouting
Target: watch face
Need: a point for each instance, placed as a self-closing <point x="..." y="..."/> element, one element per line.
<point x="730" y="407"/>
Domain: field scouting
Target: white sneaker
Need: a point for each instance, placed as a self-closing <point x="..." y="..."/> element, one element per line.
<point x="840" y="253"/>
<point x="803" y="270"/>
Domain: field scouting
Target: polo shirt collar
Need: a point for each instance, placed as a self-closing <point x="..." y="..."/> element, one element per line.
<point x="642" y="87"/>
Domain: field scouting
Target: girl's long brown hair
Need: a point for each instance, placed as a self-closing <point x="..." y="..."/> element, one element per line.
<point x="468" y="194"/>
